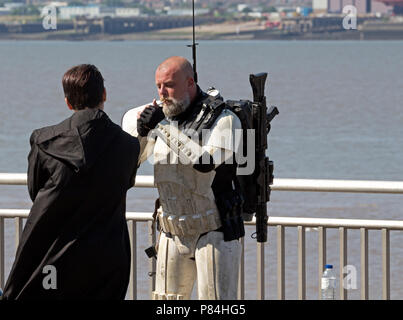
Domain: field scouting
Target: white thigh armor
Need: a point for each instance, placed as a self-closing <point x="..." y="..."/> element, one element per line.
<point x="217" y="263"/>
<point x="216" y="267"/>
<point x="175" y="273"/>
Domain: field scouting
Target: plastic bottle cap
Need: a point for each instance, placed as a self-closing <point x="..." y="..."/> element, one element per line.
<point x="329" y="266"/>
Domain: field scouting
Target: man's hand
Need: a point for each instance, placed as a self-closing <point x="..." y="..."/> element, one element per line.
<point x="149" y="118"/>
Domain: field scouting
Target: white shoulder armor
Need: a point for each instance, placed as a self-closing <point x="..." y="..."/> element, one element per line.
<point x="226" y="132"/>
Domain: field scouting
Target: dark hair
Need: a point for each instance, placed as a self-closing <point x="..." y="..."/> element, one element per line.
<point x="83" y="86"/>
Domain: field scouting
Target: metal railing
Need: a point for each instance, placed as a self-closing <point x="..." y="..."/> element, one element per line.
<point x="280" y="223"/>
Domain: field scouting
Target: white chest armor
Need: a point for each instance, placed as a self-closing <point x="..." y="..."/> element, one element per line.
<point x="186" y="196"/>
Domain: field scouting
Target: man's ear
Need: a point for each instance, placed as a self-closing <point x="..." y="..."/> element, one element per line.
<point x="68" y="104"/>
<point x="191" y="82"/>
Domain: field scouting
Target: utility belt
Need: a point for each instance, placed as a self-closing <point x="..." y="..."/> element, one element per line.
<point x="188" y="225"/>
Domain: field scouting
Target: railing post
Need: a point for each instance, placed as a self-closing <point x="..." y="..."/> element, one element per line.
<point x="18" y="232"/>
<point x="385" y="264"/>
<point x="343" y="261"/>
<point x="321" y="257"/>
<point x="280" y="263"/>
<point x="364" y="263"/>
<point x="132" y="224"/>
<point x="152" y="264"/>
<point x="2" y="254"/>
<point x="301" y="264"/>
<point x="241" y="278"/>
<point x="260" y="270"/>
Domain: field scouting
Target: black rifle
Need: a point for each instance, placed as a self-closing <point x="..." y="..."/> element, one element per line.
<point x="263" y="166"/>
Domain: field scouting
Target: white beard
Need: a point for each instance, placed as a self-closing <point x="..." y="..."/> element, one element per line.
<point x="172" y="107"/>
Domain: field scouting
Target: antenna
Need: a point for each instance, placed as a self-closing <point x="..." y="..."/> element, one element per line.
<point x="194" y="44"/>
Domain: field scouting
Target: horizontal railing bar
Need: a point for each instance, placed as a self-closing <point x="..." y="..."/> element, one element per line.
<point x="333" y="223"/>
<point x="322" y="185"/>
<point x="23" y="213"/>
<point x="14" y="213"/>
<point x="139" y="216"/>
<point x="279" y="184"/>
<point x="13" y="178"/>
<point x="272" y="221"/>
<point x="21" y="179"/>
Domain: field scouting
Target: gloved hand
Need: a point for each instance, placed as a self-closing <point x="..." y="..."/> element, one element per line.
<point x="149" y="119"/>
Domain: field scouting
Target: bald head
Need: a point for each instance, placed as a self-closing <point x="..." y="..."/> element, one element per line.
<point x="176" y="86"/>
<point x="177" y="64"/>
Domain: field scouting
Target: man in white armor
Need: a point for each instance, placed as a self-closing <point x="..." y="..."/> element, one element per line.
<point x="199" y="213"/>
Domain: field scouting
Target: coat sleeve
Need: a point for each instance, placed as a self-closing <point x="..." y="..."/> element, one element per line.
<point x="36" y="176"/>
<point x="133" y="176"/>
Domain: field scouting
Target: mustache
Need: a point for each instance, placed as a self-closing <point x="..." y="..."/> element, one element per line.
<point x="166" y="100"/>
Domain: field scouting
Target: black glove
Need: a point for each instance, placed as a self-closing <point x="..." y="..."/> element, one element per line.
<point x="149" y="119"/>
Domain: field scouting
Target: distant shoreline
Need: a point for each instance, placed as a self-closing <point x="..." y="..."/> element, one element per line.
<point x="348" y="35"/>
<point x="226" y="31"/>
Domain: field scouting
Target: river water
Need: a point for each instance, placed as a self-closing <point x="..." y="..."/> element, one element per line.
<point x="340" y="117"/>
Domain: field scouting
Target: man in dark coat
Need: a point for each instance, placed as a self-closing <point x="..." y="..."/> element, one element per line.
<point x="75" y="244"/>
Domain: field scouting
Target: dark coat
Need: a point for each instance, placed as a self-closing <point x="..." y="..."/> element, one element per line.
<point x="78" y="174"/>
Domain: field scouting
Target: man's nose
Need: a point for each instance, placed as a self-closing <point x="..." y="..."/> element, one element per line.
<point x="163" y="91"/>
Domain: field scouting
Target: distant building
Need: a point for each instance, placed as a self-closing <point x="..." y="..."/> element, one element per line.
<point x="70" y="12"/>
<point x="13" y="5"/>
<point x="9" y="7"/>
<point x="242" y="6"/>
<point x="320" y="6"/>
<point x="363" y="6"/>
<point x="96" y="11"/>
<point x="287" y="11"/>
<point x="186" y="12"/>
<point x="4" y="11"/>
<point x="127" y="12"/>
<point x="58" y="4"/>
<point x="304" y="11"/>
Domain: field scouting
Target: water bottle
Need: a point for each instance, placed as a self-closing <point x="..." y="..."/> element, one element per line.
<point x="328" y="283"/>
